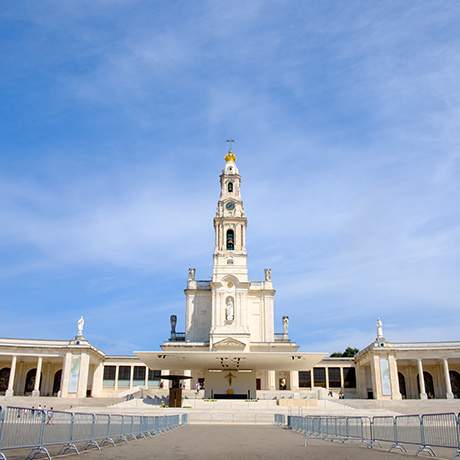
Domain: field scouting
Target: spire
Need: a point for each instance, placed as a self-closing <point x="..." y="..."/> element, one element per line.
<point x="230" y="155"/>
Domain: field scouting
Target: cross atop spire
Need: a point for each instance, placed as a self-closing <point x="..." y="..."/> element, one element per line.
<point x="230" y="155"/>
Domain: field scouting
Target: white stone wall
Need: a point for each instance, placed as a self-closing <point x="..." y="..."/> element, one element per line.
<point x="198" y="315"/>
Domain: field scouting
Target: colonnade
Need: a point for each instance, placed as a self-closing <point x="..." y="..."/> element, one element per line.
<point x="16" y="370"/>
<point x="447" y="380"/>
<point x="393" y="377"/>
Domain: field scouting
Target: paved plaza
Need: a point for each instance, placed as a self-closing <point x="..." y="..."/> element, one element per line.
<point x="241" y="442"/>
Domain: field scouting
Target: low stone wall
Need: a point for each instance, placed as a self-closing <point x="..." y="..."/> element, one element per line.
<point x="307" y="403"/>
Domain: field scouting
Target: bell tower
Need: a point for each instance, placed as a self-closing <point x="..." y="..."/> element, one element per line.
<point x="230" y="256"/>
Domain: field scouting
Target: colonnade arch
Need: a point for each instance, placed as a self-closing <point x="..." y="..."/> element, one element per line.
<point x="4" y="379"/>
<point x="455" y="383"/>
<point x="402" y="385"/>
<point x="429" y="384"/>
<point x="30" y="381"/>
<point x="57" y="382"/>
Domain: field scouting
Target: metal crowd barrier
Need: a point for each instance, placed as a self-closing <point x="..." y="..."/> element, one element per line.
<point x="425" y="432"/>
<point x="38" y="429"/>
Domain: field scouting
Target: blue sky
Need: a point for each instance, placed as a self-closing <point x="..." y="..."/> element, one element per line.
<point x="114" y="116"/>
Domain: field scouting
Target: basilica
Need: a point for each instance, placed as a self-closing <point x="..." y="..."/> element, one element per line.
<point x="230" y="349"/>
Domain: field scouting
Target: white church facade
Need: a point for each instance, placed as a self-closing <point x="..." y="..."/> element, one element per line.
<point x="229" y="348"/>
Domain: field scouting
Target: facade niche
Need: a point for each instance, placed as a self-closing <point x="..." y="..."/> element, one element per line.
<point x="230" y="240"/>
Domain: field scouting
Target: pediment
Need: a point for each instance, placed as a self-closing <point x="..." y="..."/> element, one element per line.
<point x="230" y="344"/>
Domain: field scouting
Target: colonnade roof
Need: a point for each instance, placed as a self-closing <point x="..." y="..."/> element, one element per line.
<point x="211" y="360"/>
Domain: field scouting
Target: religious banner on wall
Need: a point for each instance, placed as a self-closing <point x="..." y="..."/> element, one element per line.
<point x="385" y="376"/>
<point x="74" y="373"/>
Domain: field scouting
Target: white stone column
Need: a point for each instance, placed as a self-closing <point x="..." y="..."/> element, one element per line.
<point x="375" y="376"/>
<point x="294" y="380"/>
<point x="445" y="365"/>
<point x="326" y="373"/>
<point x="421" y="379"/>
<point x="312" y="374"/>
<point x="146" y="382"/>
<point x="83" y="376"/>
<point x="66" y="375"/>
<point x="38" y="376"/>
<point x="131" y="378"/>
<point x="165" y="382"/>
<point x="342" y="381"/>
<point x="98" y="379"/>
<point x="10" y="390"/>
<point x="394" y="378"/>
<point x="187" y="382"/>
<point x="116" y="377"/>
<point x="271" y="380"/>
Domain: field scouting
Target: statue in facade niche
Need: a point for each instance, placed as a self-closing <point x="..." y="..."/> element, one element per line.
<point x="80" y="326"/>
<point x="191" y="274"/>
<point x="268" y="274"/>
<point x="229" y="309"/>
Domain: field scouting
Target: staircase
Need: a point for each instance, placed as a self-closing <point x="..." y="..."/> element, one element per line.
<point x="405" y="406"/>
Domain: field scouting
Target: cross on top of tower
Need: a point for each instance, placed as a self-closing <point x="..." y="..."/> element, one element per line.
<point x="230" y="155"/>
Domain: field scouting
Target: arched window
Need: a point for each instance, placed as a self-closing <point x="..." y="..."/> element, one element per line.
<point x="230" y="187"/>
<point x="230" y="240"/>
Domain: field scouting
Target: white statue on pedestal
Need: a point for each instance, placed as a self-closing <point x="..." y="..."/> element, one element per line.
<point x="229" y="310"/>
<point x="268" y="274"/>
<point x="379" y="329"/>
<point x="285" y="326"/>
<point x="80" y="326"/>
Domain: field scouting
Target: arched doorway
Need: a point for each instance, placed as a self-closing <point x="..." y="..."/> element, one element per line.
<point x="455" y="383"/>
<point x="402" y="385"/>
<point x="4" y="379"/>
<point x="57" y="382"/>
<point x="30" y="381"/>
<point x="429" y="385"/>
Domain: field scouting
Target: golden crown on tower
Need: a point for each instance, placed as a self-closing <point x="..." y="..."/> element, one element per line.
<point x="230" y="156"/>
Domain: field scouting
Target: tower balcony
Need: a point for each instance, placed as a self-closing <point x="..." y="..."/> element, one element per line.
<point x="280" y="337"/>
<point x="177" y="337"/>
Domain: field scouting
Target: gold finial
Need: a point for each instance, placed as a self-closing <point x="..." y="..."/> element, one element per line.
<point x="230" y="155"/>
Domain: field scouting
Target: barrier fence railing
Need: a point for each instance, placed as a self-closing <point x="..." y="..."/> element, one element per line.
<point x="38" y="429"/>
<point x="425" y="432"/>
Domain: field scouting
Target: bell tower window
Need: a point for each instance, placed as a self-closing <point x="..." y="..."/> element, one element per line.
<point x="230" y="240"/>
<point x="230" y="187"/>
